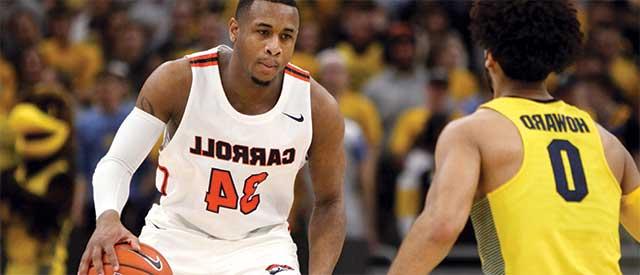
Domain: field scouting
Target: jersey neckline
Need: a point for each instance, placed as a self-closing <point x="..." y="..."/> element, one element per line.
<point x="230" y="110"/>
<point x="544" y="101"/>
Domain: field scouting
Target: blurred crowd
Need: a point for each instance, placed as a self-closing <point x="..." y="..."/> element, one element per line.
<point x="70" y="71"/>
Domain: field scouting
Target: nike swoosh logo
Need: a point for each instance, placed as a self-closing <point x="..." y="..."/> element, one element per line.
<point x="298" y="119"/>
<point x="154" y="225"/>
<point x="157" y="264"/>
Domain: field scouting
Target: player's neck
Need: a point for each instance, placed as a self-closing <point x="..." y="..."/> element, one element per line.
<point x="531" y="90"/>
<point x="241" y="91"/>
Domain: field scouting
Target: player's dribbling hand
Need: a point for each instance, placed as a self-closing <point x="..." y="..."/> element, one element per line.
<point x="109" y="231"/>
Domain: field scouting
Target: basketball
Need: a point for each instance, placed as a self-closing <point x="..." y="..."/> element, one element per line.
<point x="147" y="261"/>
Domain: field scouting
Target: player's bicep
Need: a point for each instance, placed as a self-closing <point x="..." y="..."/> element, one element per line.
<point x="456" y="176"/>
<point x="326" y="155"/>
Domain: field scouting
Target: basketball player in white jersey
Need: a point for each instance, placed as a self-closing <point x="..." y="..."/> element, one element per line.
<point x="239" y="124"/>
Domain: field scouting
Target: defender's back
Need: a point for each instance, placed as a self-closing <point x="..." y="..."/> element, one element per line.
<point x="560" y="213"/>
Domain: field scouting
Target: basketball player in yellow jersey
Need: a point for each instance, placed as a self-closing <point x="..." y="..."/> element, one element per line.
<point x="546" y="186"/>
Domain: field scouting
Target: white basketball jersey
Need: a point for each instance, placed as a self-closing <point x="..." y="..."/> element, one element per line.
<point x="225" y="173"/>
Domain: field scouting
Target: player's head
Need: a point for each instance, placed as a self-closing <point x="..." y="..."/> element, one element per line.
<point x="264" y="34"/>
<point x="333" y="73"/>
<point x="110" y="91"/>
<point x="60" y="22"/>
<point x="526" y="40"/>
<point x="400" y="46"/>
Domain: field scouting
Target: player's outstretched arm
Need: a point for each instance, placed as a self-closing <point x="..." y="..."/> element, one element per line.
<point x="326" y="163"/>
<point x="447" y="205"/>
<point x="131" y="145"/>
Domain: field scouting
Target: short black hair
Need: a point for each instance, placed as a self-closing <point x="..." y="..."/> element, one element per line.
<point x="528" y="38"/>
<point x="244" y="5"/>
<point x="59" y="13"/>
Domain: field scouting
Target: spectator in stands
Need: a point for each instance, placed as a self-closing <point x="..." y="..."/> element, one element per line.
<point x="360" y="50"/>
<point x="129" y="56"/>
<point x="23" y="32"/>
<point x="613" y="47"/>
<point x="363" y="119"/>
<point x="212" y="30"/>
<point x="361" y="238"/>
<point x="600" y="14"/>
<point x="589" y="63"/>
<point x="450" y="54"/>
<point x="153" y="14"/>
<point x="34" y="72"/>
<point x="432" y="26"/>
<point x="401" y="83"/>
<point x="307" y="48"/>
<point x="415" y="178"/>
<point x="181" y="40"/>
<point x="80" y="62"/>
<point x="90" y="21"/>
<point x="412" y="122"/>
<point x="8" y="86"/>
<point x="359" y="190"/>
<point x="354" y="105"/>
<point x="116" y="20"/>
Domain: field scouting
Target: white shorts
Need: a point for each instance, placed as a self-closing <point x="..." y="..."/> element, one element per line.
<point x="189" y="252"/>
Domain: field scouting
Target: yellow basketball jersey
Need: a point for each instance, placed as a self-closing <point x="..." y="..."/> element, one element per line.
<point x="560" y="213"/>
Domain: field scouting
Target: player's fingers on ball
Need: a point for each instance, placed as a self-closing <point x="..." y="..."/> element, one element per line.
<point x="134" y="242"/>
<point x="85" y="261"/>
<point x="96" y="257"/>
<point x="111" y="255"/>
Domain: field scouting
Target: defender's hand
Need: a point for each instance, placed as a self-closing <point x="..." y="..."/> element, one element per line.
<point x="109" y="231"/>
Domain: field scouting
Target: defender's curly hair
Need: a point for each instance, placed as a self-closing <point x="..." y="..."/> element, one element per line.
<point x="528" y="38"/>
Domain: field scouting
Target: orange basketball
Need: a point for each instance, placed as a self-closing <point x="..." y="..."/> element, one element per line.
<point x="147" y="261"/>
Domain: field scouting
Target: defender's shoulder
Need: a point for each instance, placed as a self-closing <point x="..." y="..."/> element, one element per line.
<point x="477" y="126"/>
<point x="614" y="151"/>
<point x="479" y="119"/>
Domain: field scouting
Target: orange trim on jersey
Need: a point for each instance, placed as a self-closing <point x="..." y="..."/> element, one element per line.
<point x="165" y="171"/>
<point x="298" y="70"/>
<point x="204" y="60"/>
<point x="297" y="73"/>
<point x="206" y="64"/>
<point x="204" y="56"/>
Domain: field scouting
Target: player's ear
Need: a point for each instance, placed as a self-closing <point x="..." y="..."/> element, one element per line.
<point x="233" y="29"/>
<point x="489" y="62"/>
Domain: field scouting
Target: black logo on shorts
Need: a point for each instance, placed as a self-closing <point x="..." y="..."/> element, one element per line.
<point x="298" y="119"/>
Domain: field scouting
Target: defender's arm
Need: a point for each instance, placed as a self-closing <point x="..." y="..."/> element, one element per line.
<point x="630" y="207"/>
<point x="447" y="205"/>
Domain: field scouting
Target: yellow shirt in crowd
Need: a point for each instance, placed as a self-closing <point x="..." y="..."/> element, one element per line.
<point x="361" y="66"/>
<point x="80" y="61"/>
<point x="360" y="109"/>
